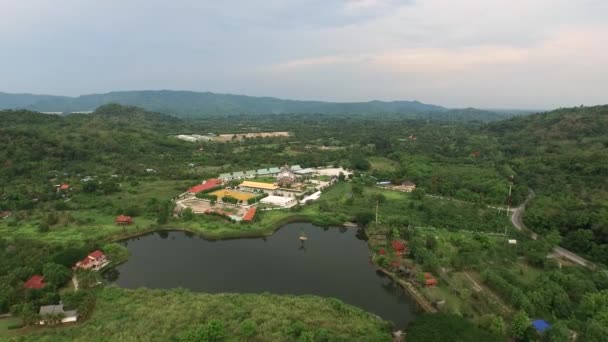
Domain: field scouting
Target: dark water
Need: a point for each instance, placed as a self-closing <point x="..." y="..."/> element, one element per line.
<point x="333" y="262"/>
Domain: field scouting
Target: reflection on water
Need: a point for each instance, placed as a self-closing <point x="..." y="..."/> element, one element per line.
<point x="330" y="263"/>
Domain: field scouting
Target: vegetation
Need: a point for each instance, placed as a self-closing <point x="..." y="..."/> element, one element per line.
<point x="124" y="160"/>
<point x="186" y="316"/>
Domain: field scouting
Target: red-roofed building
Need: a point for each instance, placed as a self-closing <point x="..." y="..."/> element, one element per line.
<point x="249" y="215"/>
<point x="398" y="246"/>
<point x="206" y="185"/>
<point x="123" y="219"/>
<point x="94" y="260"/>
<point x="432" y="282"/>
<point x="35" y="282"/>
<point x="382" y="251"/>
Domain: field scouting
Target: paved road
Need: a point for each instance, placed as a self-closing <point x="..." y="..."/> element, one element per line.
<point x="517" y="220"/>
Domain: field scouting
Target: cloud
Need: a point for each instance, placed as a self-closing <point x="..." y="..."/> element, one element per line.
<point x="466" y="52"/>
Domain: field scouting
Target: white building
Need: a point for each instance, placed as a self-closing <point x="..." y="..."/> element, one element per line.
<point x="48" y="311"/>
<point x="279" y="201"/>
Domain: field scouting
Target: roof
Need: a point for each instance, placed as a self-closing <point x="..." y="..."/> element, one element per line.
<point x="304" y="171"/>
<point x="96" y="254"/>
<point x="296" y="167"/>
<point x="277" y="200"/>
<point x="398" y="245"/>
<point x="35" y="282"/>
<point x="258" y="185"/>
<point x="56" y="309"/>
<point x="274" y="170"/>
<point x="262" y="171"/>
<point x="249" y="215"/>
<point x="51" y="309"/>
<point x="225" y="176"/>
<point x="124" y="218"/>
<point x="250" y="173"/>
<point x="541" y="325"/>
<point x="206" y="185"/>
<point x="238" y="174"/>
<point x="64" y="186"/>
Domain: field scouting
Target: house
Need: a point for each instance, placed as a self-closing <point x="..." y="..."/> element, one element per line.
<point x="51" y="314"/>
<point x="249" y="215"/>
<point x="432" y="282"/>
<point x="398" y="246"/>
<point x="205" y="186"/>
<point x="123" y="220"/>
<point x="279" y="201"/>
<point x="257" y="186"/>
<point x="36" y="282"/>
<point x="429" y="280"/>
<point x="225" y="176"/>
<point x="5" y="214"/>
<point x="95" y="261"/>
<point x="63" y="187"/>
<point x="250" y="174"/>
<point x="382" y="251"/>
<point x="408" y="186"/>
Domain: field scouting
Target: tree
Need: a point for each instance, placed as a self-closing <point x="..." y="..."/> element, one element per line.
<point x="56" y="274"/>
<point x="187" y="214"/>
<point x="520" y="323"/>
<point x="363" y="218"/>
<point x="493" y="324"/>
<point x="249" y="328"/>
<point x="446" y="328"/>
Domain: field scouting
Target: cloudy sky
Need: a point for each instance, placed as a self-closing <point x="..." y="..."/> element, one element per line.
<point x="482" y="53"/>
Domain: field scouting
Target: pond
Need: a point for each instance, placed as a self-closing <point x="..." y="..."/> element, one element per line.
<point x="333" y="262"/>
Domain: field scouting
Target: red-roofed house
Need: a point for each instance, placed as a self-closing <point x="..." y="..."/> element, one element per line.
<point x="95" y="260"/>
<point x="432" y="282"/>
<point x="249" y="215"/>
<point x="206" y="185"/>
<point x="123" y="219"/>
<point x="382" y="251"/>
<point x="35" y="282"/>
<point x="398" y="246"/>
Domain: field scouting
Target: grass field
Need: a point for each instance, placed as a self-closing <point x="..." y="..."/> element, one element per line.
<point x="241" y="196"/>
<point x="382" y="164"/>
<point x="5" y="323"/>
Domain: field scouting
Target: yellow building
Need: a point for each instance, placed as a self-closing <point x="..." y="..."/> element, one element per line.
<point x="258" y="186"/>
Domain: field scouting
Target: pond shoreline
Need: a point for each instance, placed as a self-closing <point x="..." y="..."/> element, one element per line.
<point x="421" y="301"/>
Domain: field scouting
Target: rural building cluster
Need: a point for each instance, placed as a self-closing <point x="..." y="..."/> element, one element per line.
<point x="239" y="194"/>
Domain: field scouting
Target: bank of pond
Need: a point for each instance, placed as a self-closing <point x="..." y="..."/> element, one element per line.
<point x="331" y="262"/>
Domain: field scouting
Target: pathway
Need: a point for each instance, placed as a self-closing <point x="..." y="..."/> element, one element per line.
<point x="518" y="222"/>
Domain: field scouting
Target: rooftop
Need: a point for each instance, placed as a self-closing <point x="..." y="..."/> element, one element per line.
<point x="258" y="185"/>
<point x="250" y="214"/>
<point x="35" y="282"/>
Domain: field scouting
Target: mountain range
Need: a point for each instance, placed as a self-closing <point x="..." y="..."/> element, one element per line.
<point x="188" y="104"/>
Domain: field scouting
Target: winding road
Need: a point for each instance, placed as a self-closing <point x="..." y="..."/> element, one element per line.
<point x="518" y="223"/>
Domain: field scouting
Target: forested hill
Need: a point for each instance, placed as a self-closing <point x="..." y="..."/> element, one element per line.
<point x="12" y="101"/>
<point x="563" y="156"/>
<point x="196" y="104"/>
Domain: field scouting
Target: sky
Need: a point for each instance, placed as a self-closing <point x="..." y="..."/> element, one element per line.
<point x="529" y="54"/>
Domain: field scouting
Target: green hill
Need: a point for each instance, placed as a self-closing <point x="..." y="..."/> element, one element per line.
<point x="201" y="104"/>
<point x="563" y="156"/>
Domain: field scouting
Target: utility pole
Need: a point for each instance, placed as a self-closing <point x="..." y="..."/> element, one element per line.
<point x="509" y="198"/>
<point x="377" y="202"/>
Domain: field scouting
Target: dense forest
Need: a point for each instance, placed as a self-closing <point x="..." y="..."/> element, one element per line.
<point x="561" y="155"/>
<point x="126" y="160"/>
